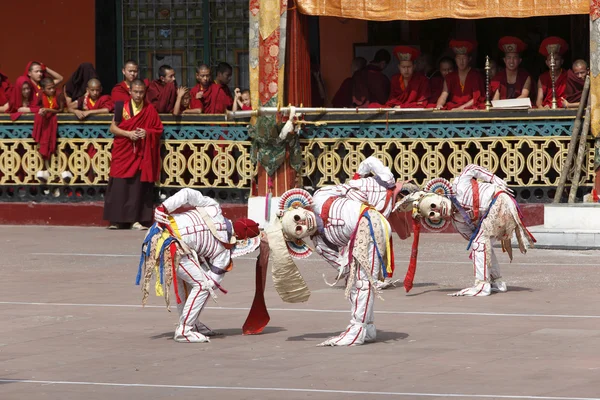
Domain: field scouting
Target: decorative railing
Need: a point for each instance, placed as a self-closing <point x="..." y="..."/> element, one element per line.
<point x="205" y="152"/>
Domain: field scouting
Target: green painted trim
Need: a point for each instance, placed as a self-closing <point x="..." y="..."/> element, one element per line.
<point x="119" y="11"/>
<point x="206" y="30"/>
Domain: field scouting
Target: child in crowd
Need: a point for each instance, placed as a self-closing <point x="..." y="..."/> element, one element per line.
<point x="242" y="100"/>
<point x="92" y="102"/>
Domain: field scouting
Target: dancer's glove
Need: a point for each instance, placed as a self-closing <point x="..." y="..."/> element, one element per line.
<point x="161" y="215"/>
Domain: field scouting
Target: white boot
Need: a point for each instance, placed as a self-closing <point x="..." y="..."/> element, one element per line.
<point x="498" y="286"/>
<point x="42" y="176"/>
<point x="66" y="176"/>
<point x="481" y="288"/>
<point x="189" y="335"/>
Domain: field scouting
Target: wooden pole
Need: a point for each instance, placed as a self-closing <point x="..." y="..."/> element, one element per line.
<point x="564" y="173"/>
<point x="580" y="154"/>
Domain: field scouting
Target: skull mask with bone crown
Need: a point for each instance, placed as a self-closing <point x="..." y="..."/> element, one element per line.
<point x="298" y="224"/>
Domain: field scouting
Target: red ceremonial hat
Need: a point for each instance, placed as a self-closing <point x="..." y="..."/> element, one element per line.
<point x="245" y="228"/>
<point x="406" y="53"/>
<point x="463" y="46"/>
<point x="511" y="44"/>
<point x="553" y="44"/>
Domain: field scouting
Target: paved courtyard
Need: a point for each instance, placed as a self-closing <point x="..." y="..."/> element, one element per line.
<point x="73" y="328"/>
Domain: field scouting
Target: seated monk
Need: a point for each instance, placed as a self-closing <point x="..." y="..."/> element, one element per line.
<point x="463" y="89"/>
<point x="121" y="91"/>
<point x="575" y="81"/>
<point x="370" y="85"/>
<point x="409" y="89"/>
<point x="77" y="84"/>
<point x="217" y="98"/>
<point x="343" y="97"/>
<point x="242" y="100"/>
<point x="436" y="80"/>
<point x="513" y="82"/>
<point x="182" y="104"/>
<point x="21" y="98"/>
<point x="4" y="89"/>
<point x="204" y="79"/>
<point x="36" y="71"/>
<point x="92" y="102"/>
<point x="162" y="92"/>
<point x="558" y="47"/>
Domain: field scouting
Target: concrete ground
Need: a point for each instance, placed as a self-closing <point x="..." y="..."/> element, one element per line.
<point x="72" y="328"/>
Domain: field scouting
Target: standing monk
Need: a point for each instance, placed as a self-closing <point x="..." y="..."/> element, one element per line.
<point x="370" y="83"/>
<point x="162" y="92"/>
<point x="92" y="102"/>
<point x="513" y="82"/>
<point x="575" y="81"/>
<point x="409" y="88"/>
<point x="121" y="90"/>
<point x="218" y="99"/>
<point x="36" y="71"/>
<point x="463" y="89"/>
<point x="204" y="79"/>
<point x="558" y="47"/>
<point x="135" y="164"/>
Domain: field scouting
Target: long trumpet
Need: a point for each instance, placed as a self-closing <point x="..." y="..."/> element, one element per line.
<point x="553" y="78"/>
<point x="231" y="115"/>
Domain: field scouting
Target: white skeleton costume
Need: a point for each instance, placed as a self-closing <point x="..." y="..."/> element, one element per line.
<point x="347" y="233"/>
<point x="190" y="245"/>
<point x="482" y="209"/>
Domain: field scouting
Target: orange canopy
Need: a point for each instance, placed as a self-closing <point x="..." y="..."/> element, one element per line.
<point x="388" y="10"/>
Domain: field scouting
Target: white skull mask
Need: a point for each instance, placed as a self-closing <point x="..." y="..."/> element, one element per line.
<point x="435" y="207"/>
<point x="298" y="224"/>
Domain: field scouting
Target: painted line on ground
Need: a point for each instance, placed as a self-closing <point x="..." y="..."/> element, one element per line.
<point x="300" y="390"/>
<point x="254" y="258"/>
<point x="314" y="310"/>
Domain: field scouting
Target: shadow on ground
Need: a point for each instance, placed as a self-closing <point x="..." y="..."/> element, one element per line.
<point x="382" y="336"/>
<point x="221" y="333"/>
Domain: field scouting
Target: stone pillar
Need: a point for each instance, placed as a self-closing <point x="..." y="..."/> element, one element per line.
<point x="595" y="84"/>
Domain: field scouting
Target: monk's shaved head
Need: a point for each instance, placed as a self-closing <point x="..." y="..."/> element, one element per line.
<point x="93" y="83"/>
<point x="138" y="82"/>
<point x="130" y="62"/>
<point x="580" y="63"/>
<point x="202" y="67"/>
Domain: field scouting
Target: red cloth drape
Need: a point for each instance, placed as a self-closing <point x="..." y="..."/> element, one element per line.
<point x="297" y="60"/>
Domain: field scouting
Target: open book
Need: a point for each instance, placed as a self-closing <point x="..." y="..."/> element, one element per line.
<point x="512" y="104"/>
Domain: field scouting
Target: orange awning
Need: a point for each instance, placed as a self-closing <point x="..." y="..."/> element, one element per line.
<point x="388" y="10"/>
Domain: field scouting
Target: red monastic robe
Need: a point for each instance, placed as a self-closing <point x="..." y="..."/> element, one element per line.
<point x="500" y="82"/>
<point x="120" y="92"/>
<point x="35" y="88"/>
<point x="4" y="89"/>
<point x="560" y="86"/>
<point x="436" y="84"/>
<point x="217" y="99"/>
<point x="198" y="103"/>
<point x="413" y="95"/>
<point x="143" y="155"/>
<point x="371" y="85"/>
<point x="574" y="87"/>
<point x="246" y="108"/>
<point x="15" y="100"/>
<point x="162" y="97"/>
<point x="84" y="103"/>
<point x="343" y="97"/>
<point x="474" y="88"/>
<point x="45" y="126"/>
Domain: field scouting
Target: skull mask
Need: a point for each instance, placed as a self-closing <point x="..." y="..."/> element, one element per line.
<point x="435" y="207"/>
<point x="298" y="224"/>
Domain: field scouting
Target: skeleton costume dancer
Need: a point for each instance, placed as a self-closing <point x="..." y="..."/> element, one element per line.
<point x="482" y="209"/>
<point x="335" y="222"/>
<point x="191" y="246"/>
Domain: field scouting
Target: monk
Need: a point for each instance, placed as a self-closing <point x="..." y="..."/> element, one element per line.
<point x="21" y="98"/>
<point x="241" y="100"/>
<point x="77" y="84"/>
<point x="575" y="81"/>
<point x="121" y="90"/>
<point x="370" y="83"/>
<point x="92" y="102"/>
<point x="36" y="71"/>
<point x="558" y="47"/>
<point x="436" y="81"/>
<point x="218" y="98"/>
<point x="409" y="89"/>
<point x="135" y="165"/>
<point x="514" y="82"/>
<point x="182" y="103"/>
<point x="4" y="92"/>
<point x="204" y="79"/>
<point x="162" y="92"/>
<point x="343" y="97"/>
<point x="463" y="89"/>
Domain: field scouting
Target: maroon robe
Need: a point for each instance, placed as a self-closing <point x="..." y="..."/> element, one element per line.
<point x="15" y="100"/>
<point x="500" y="82"/>
<point x="414" y="95"/>
<point x="84" y="103"/>
<point x="143" y="155"/>
<point x="120" y="92"/>
<point x="474" y="89"/>
<point x="198" y="103"/>
<point x="35" y="88"/>
<point x="574" y="87"/>
<point x="4" y="89"/>
<point x="162" y="97"/>
<point x="343" y="97"/>
<point x="217" y="99"/>
<point x="560" y="85"/>
<point x="436" y="84"/>
<point x="45" y="126"/>
<point x="370" y="86"/>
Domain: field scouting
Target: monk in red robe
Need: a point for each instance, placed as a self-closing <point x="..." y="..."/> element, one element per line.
<point x="409" y="89"/>
<point x="92" y="102"/>
<point x="20" y="98"/>
<point x="218" y="99"/>
<point x="121" y="90"/>
<point x="135" y="164"/>
<point x="558" y="47"/>
<point x="513" y="82"/>
<point x="76" y="86"/>
<point x="36" y="71"/>
<point x="436" y="81"/>
<point x="343" y="97"/>
<point x="575" y="81"/>
<point x="182" y="104"/>
<point x="4" y="92"/>
<point x="370" y="83"/>
<point x="463" y="89"/>
<point x="242" y="100"/>
<point x="45" y="122"/>
<point x="204" y="79"/>
<point x="162" y="92"/>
